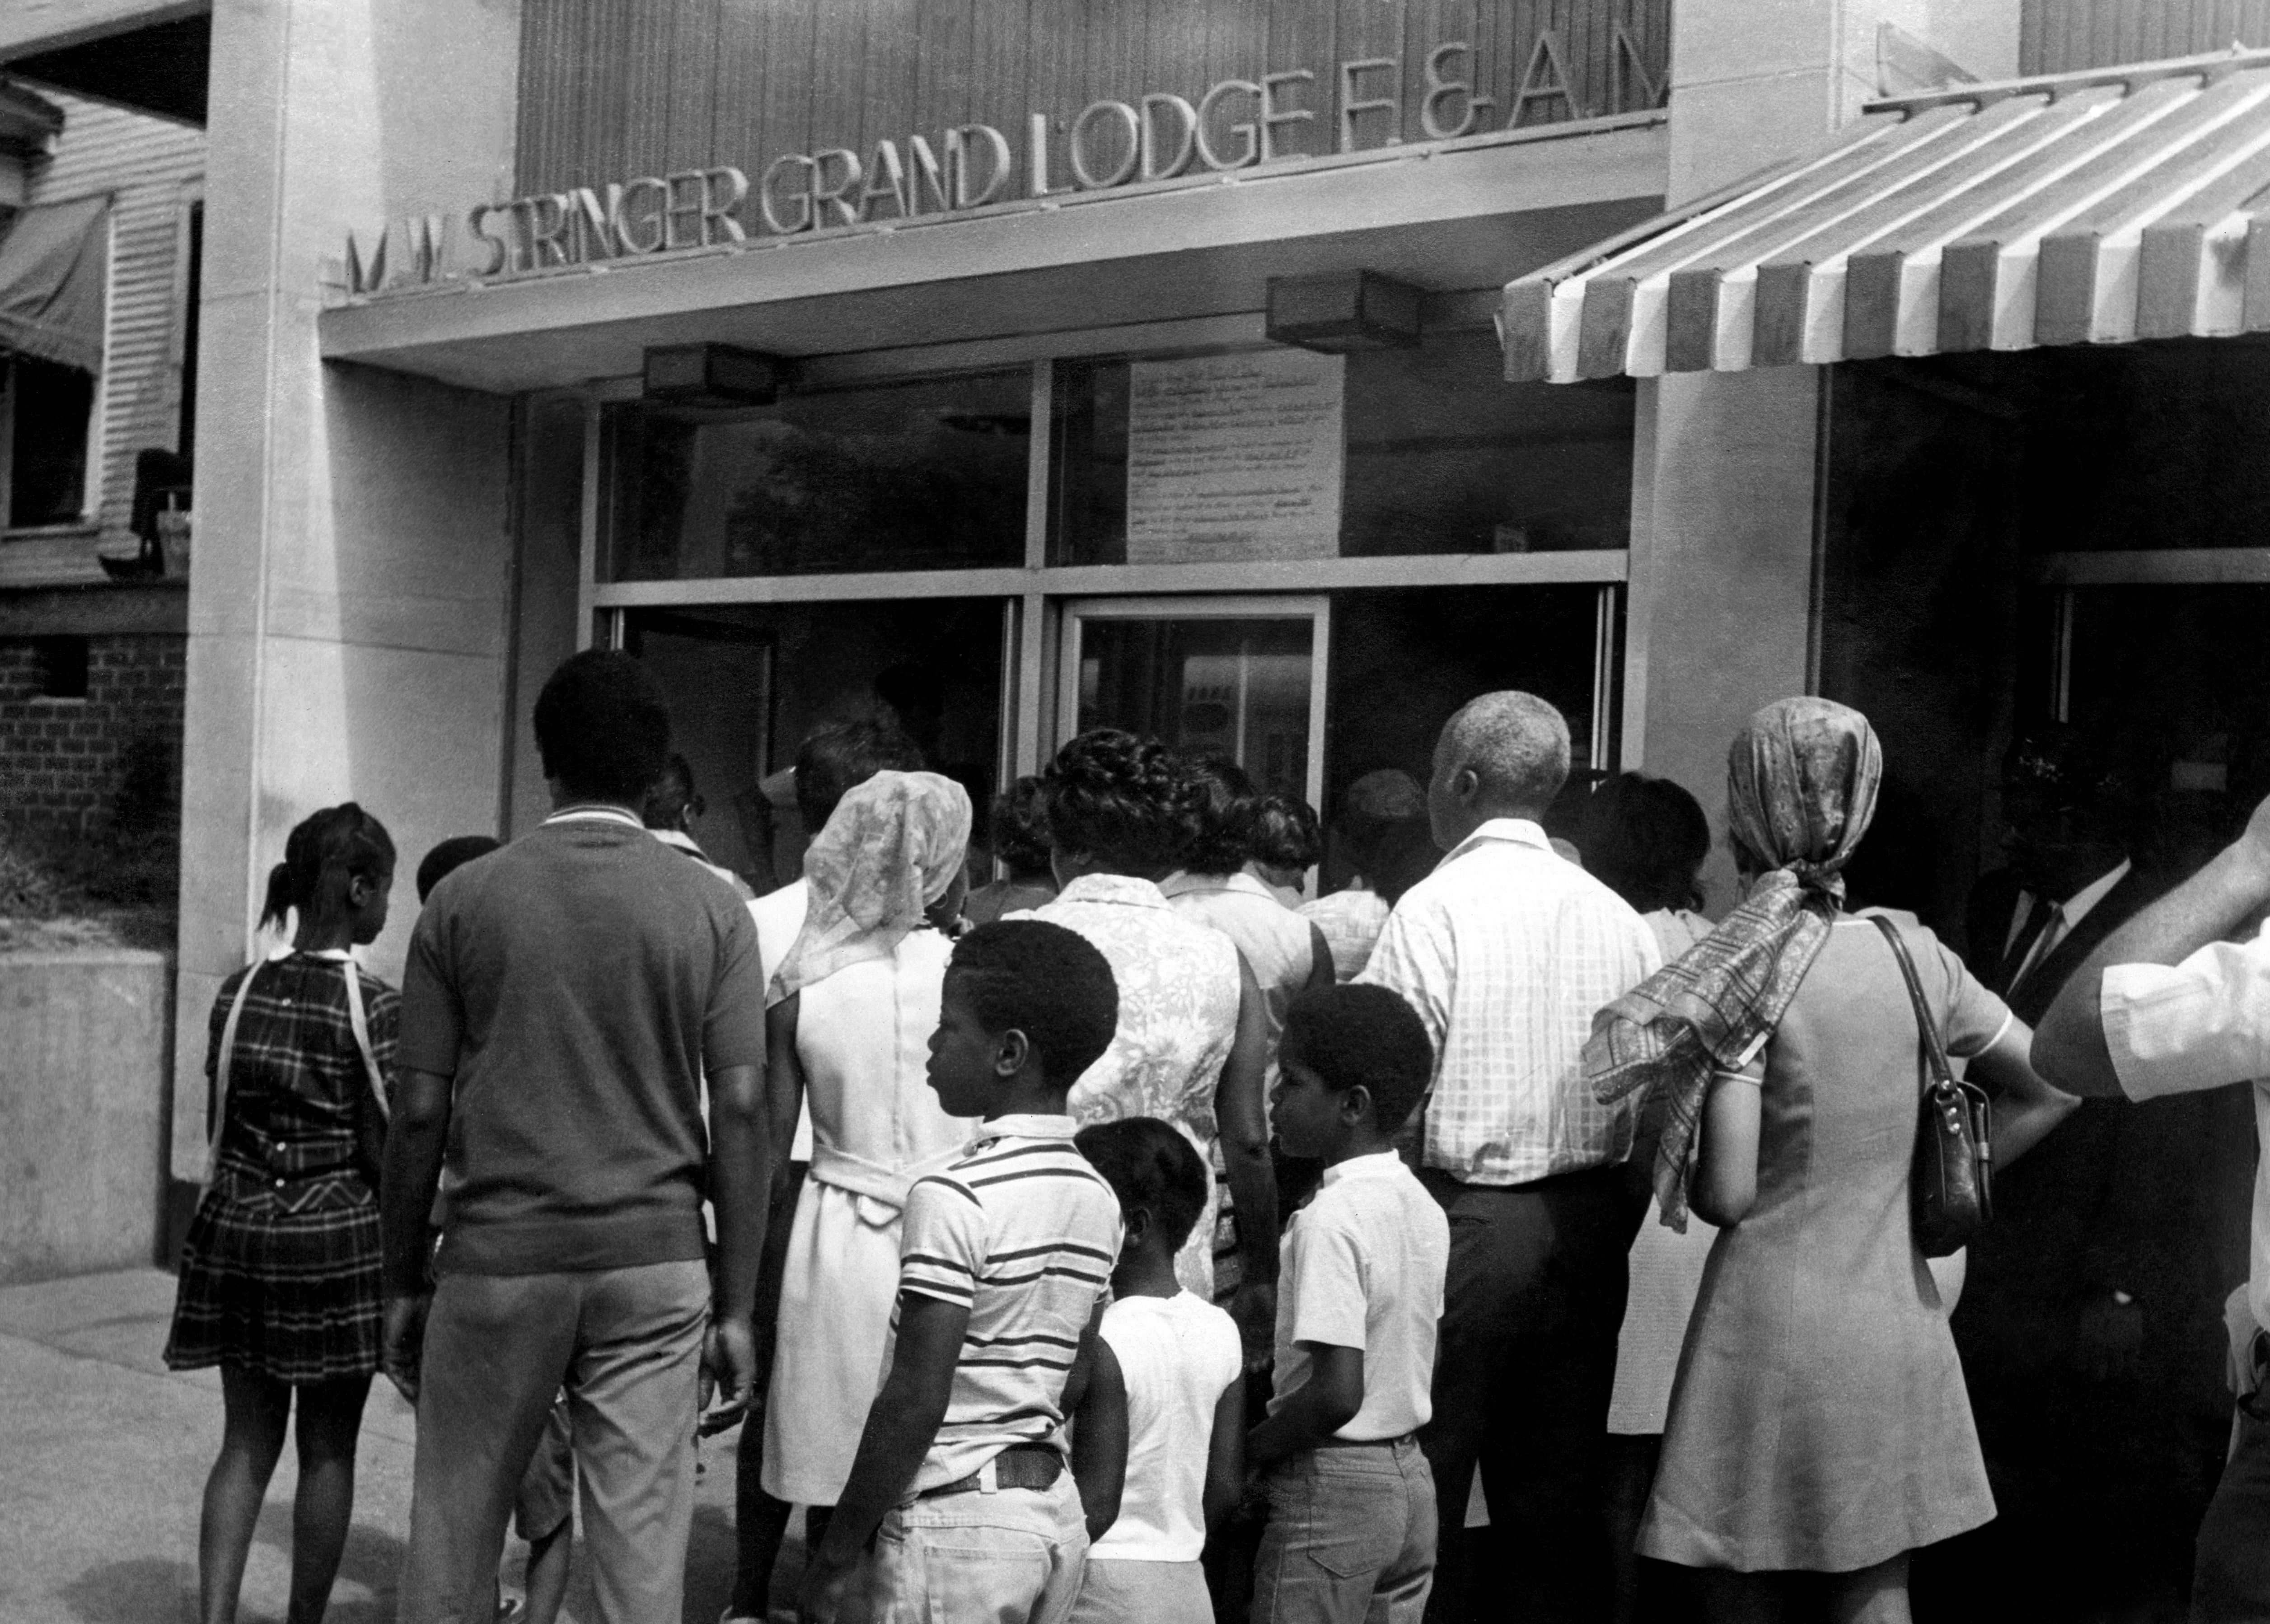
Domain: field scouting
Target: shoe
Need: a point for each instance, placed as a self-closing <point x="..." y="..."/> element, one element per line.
<point x="731" y="1617"/>
<point x="510" y="1609"/>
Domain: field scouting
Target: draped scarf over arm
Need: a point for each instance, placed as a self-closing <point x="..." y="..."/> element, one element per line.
<point x="891" y="849"/>
<point x="1801" y="783"/>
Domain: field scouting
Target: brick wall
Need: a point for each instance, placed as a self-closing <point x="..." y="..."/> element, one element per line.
<point x="111" y="760"/>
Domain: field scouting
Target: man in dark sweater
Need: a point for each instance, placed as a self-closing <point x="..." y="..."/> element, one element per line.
<point x="563" y="1001"/>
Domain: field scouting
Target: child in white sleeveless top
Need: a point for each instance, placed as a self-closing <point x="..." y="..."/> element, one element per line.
<point x="1181" y="1363"/>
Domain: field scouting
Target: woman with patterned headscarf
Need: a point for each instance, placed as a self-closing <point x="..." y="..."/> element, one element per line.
<point x="853" y="1005"/>
<point x="1818" y="1422"/>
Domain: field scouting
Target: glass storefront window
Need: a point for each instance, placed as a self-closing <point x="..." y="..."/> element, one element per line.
<point x="2172" y="684"/>
<point x="1403" y="660"/>
<point x="927" y="474"/>
<point x="1206" y="686"/>
<point x="749" y="682"/>
<point x="1441" y="455"/>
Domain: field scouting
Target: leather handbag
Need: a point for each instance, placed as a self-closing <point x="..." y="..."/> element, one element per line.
<point x="1951" y="1188"/>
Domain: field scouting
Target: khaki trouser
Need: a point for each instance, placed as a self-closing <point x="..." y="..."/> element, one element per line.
<point x="1012" y="1556"/>
<point x="626" y="1344"/>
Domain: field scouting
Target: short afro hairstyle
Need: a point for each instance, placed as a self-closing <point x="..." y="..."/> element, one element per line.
<point x="1226" y="805"/>
<point x="1646" y="840"/>
<point x="1122" y="801"/>
<point x="833" y="761"/>
<point x="1020" y="826"/>
<point x="670" y="796"/>
<point x="450" y="855"/>
<point x="1360" y="1035"/>
<point x="1043" y="980"/>
<point x="1149" y="1165"/>
<point x="1286" y="834"/>
<point x="1515" y="744"/>
<point x="603" y="727"/>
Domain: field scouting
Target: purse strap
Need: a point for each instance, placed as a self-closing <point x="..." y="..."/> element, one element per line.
<point x="1934" y="1051"/>
<point x="358" y="1023"/>
<point x="220" y="1071"/>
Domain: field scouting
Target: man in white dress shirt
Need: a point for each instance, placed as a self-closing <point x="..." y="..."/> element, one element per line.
<point x="1507" y="951"/>
<point x="2170" y="1004"/>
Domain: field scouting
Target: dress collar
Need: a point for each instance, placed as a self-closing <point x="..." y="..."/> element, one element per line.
<point x="1378" y="1164"/>
<point x="678" y="840"/>
<point x="590" y="811"/>
<point x="1124" y="888"/>
<point x="1027" y="1125"/>
<point x="1506" y="831"/>
<point x="1183" y="883"/>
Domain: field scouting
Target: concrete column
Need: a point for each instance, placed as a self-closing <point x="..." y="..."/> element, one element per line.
<point x="1721" y="611"/>
<point x="349" y="605"/>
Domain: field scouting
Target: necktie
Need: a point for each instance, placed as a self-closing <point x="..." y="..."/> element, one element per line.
<point x="2045" y="938"/>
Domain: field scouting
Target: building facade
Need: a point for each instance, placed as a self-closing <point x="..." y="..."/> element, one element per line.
<point x="1131" y="364"/>
<point x="100" y="214"/>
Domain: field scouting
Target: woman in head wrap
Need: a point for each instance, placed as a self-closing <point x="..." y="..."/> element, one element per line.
<point x="1818" y="1422"/>
<point x="853" y="1005"/>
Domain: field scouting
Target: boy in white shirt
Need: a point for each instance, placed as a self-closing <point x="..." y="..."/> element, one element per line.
<point x="1182" y="1365"/>
<point x="1352" y="1516"/>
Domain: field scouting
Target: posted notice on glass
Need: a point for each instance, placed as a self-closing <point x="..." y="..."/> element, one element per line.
<point x="1232" y="458"/>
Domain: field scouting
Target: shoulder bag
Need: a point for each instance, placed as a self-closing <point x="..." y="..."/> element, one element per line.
<point x="1951" y="1188"/>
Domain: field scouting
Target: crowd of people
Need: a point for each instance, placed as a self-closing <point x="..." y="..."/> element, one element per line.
<point x="1128" y="1238"/>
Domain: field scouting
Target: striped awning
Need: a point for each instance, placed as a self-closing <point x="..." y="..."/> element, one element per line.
<point x="2096" y="208"/>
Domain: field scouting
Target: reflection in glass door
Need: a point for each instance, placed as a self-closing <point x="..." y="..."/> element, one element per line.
<point x="1237" y="676"/>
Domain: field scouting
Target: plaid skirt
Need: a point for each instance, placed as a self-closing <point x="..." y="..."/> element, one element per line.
<point x="282" y="1278"/>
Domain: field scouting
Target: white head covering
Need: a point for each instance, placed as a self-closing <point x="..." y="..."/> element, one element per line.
<point x="891" y="849"/>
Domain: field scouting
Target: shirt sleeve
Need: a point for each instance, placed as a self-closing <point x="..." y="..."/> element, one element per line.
<point x="1975" y="1018"/>
<point x="733" y="1028"/>
<point x="2182" y="1028"/>
<point x="942" y="1243"/>
<point x="1413" y="958"/>
<point x="385" y="1010"/>
<point x="432" y="1020"/>
<point x="1325" y="1275"/>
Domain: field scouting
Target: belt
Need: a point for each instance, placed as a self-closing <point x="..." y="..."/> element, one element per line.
<point x="275" y="1177"/>
<point x="872" y="1179"/>
<point x="1020" y="1465"/>
<point x="1367" y="1443"/>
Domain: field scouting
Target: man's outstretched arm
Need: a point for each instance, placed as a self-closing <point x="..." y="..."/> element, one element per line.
<point x="2069" y="1046"/>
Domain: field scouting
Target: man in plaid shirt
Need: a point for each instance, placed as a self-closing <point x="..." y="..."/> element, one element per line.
<point x="1507" y="951"/>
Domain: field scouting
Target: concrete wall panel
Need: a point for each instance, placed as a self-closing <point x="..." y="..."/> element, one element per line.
<point x="349" y="609"/>
<point x="82" y="1113"/>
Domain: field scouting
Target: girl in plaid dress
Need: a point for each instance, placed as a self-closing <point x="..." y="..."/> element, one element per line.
<point x="281" y="1274"/>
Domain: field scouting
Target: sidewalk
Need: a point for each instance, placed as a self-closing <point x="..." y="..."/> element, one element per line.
<point x="103" y="1455"/>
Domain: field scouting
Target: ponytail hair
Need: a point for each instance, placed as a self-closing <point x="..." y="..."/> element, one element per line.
<point x="343" y="841"/>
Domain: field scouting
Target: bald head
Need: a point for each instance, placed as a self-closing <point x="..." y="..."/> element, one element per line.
<point x="1503" y="755"/>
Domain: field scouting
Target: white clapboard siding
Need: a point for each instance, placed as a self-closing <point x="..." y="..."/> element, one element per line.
<point x="152" y="170"/>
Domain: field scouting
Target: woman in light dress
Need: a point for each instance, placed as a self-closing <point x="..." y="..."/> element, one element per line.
<point x="1193" y="1034"/>
<point x="854" y="1004"/>
<point x="1645" y="838"/>
<point x="1216" y="886"/>
<point x="1818" y="1431"/>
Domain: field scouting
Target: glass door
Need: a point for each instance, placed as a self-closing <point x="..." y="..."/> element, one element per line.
<point x="1232" y="676"/>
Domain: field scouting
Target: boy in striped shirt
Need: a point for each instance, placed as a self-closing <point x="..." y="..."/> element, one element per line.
<point x="960" y="1505"/>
